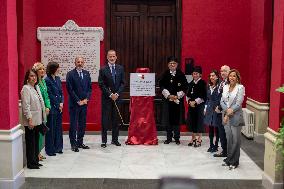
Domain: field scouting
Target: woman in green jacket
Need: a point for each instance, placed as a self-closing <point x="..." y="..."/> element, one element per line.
<point x="39" y="68"/>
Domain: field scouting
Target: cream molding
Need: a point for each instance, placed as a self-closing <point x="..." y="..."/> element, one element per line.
<point x="12" y="134"/>
<point x="70" y="25"/>
<point x="257" y="105"/>
<point x="271" y="135"/>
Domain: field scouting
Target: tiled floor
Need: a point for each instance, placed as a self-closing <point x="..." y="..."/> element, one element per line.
<point x="142" y="162"/>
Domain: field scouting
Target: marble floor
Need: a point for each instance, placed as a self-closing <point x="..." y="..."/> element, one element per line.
<point x="142" y="162"/>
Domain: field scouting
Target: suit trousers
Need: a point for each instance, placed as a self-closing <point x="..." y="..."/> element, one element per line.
<point x="53" y="138"/>
<point x="170" y="130"/>
<point x="77" y="128"/>
<point x="233" y="135"/>
<point x="32" y="150"/>
<point x="174" y="121"/>
<point x="109" y="118"/>
<point x="213" y="131"/>
<point x="223" y="139"/>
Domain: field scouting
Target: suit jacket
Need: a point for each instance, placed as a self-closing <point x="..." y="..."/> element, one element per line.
<point x="106" y="82"/>
<point x="233" y="100"/>
<point x="211" y="117"/>
<point x="32" y="105"/>
<point x="54" y="89"/>
<point x="77" y="88"/>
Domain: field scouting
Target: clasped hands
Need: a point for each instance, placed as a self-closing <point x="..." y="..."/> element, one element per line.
<point x="229" y="113"/>
<point x="31" y="126"/>
<point x="192" y="103"/>
<point x="173" y="98"/>
<point x="82" y="102"/>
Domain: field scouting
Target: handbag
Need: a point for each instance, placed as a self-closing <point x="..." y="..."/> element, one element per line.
<point x="43" y="129"/>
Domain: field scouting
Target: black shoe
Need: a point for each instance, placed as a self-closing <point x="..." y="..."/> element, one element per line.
<point x="33" y="167"/>
<point x="116" y="143"/>
<point x="83" y="146"/>
<point x="222" y="154"/>
<point x="214" y="150"/>
<point x="52" y="154"/>
<point x="225" y="160"/>
<point x="39" y="165"/>
<point x="103" y="145"/>
<point x="192" y="143"/>
<point x="210" y="149"/>
<point x="177" y="142"/>
<point x="167" y="141"/>
<point x="60" y="152"/>
<point x="75" y="149"/>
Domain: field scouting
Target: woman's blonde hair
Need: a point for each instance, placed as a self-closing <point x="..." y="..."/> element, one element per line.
<point x="37" y="66"/>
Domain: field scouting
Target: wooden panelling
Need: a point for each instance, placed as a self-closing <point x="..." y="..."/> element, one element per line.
<point x="144" y="33"/>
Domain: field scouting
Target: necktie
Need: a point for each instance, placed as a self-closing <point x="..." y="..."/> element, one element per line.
<point x="113" y="73"/>
<point x="81" y="75"/>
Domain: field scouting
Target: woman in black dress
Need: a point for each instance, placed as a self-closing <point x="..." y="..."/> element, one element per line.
<point x="196" y="102"/>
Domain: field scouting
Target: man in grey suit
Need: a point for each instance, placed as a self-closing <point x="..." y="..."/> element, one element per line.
<point x="111" y="82"/>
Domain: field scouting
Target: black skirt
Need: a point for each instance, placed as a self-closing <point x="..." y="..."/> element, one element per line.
<point x="195" y="117"/>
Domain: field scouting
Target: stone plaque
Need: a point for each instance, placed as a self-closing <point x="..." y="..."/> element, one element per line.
<point x="63" y="44"/>
<point x="142" y="84"/>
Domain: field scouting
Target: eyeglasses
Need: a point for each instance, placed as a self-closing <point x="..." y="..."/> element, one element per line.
<point x="172" y="62"/>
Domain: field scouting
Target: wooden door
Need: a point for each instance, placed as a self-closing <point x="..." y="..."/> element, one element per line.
<point x="144" y="33"/>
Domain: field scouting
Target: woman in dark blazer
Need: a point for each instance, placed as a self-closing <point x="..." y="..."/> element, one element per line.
<point x="231" y="103"/>
<point x="196" y="100"/>
<point x="212" y="119"/>
<point x="53" y="138"/>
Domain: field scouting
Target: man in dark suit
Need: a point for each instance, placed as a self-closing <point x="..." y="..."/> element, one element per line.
<point x="111" y="82"/>
<point x="78" y="82"/>
<point x="221" y="129"/>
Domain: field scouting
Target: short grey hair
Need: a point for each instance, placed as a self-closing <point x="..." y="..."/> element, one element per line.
<point x="79" y="56"/>
<point x="226" y="67"/>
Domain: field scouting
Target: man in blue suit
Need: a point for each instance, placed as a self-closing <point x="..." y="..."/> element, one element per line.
<point x="111" y="82"/>
<point x="78" y="82"/>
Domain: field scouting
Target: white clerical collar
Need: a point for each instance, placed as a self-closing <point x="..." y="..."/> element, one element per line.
<point x="195" y="82"/>
<point x="173" y="73"/>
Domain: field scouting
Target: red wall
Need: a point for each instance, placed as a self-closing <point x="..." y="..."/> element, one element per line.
<point x="277" y="76"/>
<point x="9" y="65"/>
<point x="236" y="33"/>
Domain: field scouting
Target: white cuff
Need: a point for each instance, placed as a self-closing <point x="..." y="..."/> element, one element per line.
<point x="166" y="93"/>
<point x="180" y="94"/>
<point x="199" y="100"/>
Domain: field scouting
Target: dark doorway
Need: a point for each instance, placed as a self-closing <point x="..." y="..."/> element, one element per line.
<point x="144" y="33"/>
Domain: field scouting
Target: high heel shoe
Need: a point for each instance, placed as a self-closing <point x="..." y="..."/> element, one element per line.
<point x="231" y="167"/>
<point x="197" y="144"/>
<point x="192" y="143"/>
